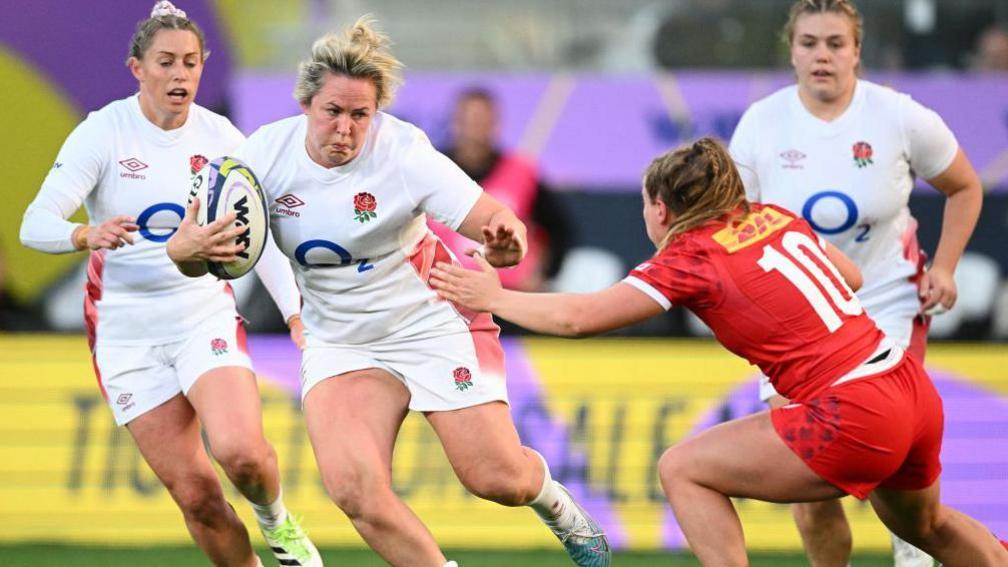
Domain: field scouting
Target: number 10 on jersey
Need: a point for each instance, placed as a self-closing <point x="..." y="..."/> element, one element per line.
<point x="799" y="249"/>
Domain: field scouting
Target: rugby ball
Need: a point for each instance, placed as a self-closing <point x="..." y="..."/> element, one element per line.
<point x="225" y="185"/>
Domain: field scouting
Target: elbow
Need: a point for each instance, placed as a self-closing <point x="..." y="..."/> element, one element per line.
<point x="855" y="280"/>
<point x="575" y="325"/>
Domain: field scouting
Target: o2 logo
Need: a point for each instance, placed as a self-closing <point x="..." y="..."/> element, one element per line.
<point x="328" y="255"/>
<point x="850" y="220"/>
<point x="144" y="221"/>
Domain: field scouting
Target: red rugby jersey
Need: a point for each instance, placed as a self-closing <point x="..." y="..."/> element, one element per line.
<point x="766" y="288"/>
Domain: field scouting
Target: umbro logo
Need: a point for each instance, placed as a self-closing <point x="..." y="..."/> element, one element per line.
<point x="133" y="165"/>
<point x="288" y="202"/>
<point x="792" y="157"/>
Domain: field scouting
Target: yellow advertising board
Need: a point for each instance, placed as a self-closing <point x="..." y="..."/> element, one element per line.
<point x="600" y="410"/>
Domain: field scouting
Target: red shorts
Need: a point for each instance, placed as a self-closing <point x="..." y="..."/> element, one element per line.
<point x="884" y="430"/>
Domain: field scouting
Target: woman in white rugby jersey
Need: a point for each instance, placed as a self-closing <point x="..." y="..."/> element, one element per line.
<point x="844" y="152"/>
<point x="169" y="351"/>
<point x="349" y="188"/>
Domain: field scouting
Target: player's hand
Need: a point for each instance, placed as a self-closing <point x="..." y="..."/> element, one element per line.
<point x="296" y="331"/>
<point x="110" y="234"/>
<point x="937" y="291"/>
<point x="472" y="289"/>
<point x="214" y="242"/>
<point x="502" y="246"/>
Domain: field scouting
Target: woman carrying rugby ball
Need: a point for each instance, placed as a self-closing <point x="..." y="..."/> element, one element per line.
<point x="378" y="341"/>
<point x="169" y="351"/>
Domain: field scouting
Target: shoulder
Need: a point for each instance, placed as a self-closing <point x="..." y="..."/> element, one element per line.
<point x="277" y="132"/>
<point x="884" y="98"/>
<point x="766" y="110"/>
<point x="394" y="134"/>
<point x="112" y="115"/>
<point x="773" y="104"/>
<point x="208" y="117"/>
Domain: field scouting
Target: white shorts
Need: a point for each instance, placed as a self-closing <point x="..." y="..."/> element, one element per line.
<point x="138" y="378"/>
<point x="442" y="373"/>
<point x="895" y="320"/>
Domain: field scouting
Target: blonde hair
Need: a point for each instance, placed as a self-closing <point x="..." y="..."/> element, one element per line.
<point x="147" y="29"/>
<point x="843" y="7"/>
<point x="698" y="183"/>
<point x="358" y="52"/>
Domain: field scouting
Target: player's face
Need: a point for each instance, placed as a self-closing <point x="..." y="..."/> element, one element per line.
<point x="169" y="73"/>
<point x="475" y="123"/>
<point x="825" y="55"/>
<point x="339" y="117"/>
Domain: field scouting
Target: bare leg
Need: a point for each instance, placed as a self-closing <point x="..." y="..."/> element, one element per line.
<point x="823" y="526"/>
<point x="948" y="535"/>
<point x="741" y="458"/>
<point x="483" y="447"/>
<point x="353" y="420"/>
<point x="169" y="440"/>
<point x="227" y="402"/>
<point x="825" y="532"/>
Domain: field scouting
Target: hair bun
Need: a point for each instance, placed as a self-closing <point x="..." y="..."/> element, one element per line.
<point x="166" y="8"/>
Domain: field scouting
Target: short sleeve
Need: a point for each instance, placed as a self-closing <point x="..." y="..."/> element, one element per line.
<point x="679" y="275"/>
<point x="438" y="186"/>
<point x="743" y="151"/>
<point x="931" y="145"/>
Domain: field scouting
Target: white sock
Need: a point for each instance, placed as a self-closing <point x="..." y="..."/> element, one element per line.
<point x="552" y="504"/>
<point x="451" y="564"/>
<point x="270" y="515"/>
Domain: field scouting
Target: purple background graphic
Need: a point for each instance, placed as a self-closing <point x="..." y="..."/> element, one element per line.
<point x="599" y="132"/>
<point x="81" y="47"/>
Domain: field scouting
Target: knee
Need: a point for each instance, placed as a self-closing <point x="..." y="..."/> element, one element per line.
<point x="244" y="461"/>
<point x="358" y="494"/>
<point x="673" y="467"/>
<point x="826" y="519"/>
<point x="926" y="528"/>
<point x="509" y="484"/>
<point x="201" y="500"/>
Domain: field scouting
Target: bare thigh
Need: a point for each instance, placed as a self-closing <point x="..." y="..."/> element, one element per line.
<point x="746" y="458"/>
<point x="484" y="449"/>
<point x="353" y="420"/>
<point x="169" y="440"/>
<point x="227" y="402"/>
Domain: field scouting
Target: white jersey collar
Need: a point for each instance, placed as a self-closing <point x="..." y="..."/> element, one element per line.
<point x="835" y="126"/>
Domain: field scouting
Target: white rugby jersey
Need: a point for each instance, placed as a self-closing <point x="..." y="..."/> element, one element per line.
<point x="118" y="163"/>
<point x="850" y="179"/>
<point x="357" y="234"/>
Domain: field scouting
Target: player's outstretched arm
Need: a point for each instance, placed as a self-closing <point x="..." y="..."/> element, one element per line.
<point x="496" y="226"/>
<point x="564" y="314"/>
